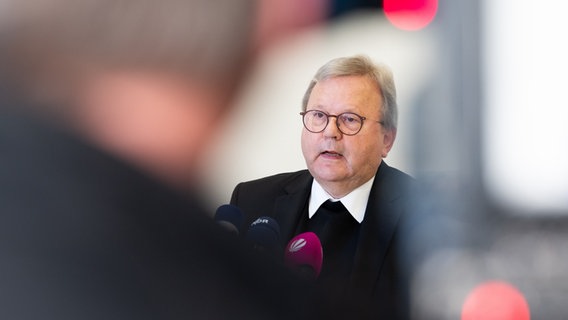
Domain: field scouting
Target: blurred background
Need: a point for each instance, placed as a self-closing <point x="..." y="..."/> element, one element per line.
<point x="482" y="127"/>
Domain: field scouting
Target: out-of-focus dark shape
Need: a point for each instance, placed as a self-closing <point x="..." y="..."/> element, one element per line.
<point x="230" y="217"/>
<point x="263" y="235"/>
<point x="105" y="108"/>
<point x="338" y="8"/>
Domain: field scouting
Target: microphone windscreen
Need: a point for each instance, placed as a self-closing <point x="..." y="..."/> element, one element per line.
<point x="264" y="234"/>
<point x="304" y="254"/>
<point x="229" y="217"/>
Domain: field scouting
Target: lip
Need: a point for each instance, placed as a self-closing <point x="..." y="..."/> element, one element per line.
<point x="331" y="154"/>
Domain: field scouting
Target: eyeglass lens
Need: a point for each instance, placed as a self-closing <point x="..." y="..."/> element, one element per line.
<point x="348" y="123"/>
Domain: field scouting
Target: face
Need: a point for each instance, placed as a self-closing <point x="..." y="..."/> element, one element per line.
<point x="341" y="163"/>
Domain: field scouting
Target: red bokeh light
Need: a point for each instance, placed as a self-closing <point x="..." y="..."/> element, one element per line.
<point x="410" y="15"/>
<point x="495" y="300"/>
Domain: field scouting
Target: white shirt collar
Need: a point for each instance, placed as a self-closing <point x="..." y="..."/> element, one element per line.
<point x="355" y="202"/>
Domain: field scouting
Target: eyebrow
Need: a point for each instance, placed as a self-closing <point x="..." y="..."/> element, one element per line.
<point x="348" y="109"/>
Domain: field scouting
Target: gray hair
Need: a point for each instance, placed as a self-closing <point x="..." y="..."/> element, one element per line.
<point x="360" y="65"/>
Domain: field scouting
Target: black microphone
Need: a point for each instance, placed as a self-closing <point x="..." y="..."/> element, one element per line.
<point x="230" y="217"/>
<point x="264" y="235"/>
<point x="304" y="255"/>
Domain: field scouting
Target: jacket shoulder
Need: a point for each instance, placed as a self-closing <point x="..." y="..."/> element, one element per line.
<point x="281" y="179"/>
<point x="394" y="175"/>
<point x="271" y="185"/>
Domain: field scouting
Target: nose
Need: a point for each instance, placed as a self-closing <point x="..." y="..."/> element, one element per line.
<point x="332" y="129"/>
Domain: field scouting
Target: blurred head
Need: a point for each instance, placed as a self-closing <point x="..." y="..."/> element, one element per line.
<point x="147" y="80"/>
<point x="339" y="158"/>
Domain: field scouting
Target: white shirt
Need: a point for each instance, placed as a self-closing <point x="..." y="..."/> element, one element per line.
<point x="355" y="202"/>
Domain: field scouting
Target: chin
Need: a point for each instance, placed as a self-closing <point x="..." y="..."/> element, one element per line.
<point x="328" y="175"/>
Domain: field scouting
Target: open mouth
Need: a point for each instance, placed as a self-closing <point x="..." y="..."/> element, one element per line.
<point x="331" y="154"/>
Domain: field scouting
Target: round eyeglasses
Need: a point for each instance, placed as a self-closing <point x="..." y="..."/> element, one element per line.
<point x="348" y="123"/>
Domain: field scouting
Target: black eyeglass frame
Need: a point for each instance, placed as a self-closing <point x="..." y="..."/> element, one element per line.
<point x="303" y="114"/>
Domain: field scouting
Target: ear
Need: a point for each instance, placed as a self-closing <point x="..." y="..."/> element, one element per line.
<point x="388" y="137"/>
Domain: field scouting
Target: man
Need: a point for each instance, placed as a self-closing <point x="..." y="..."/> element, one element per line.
<point x="349" y="116"/>
<point x="105" y="107"/>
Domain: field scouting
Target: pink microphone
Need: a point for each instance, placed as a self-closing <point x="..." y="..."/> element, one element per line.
<point x="304" y="255"/>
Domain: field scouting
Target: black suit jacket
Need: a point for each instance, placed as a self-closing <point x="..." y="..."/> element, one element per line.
<point x="377" y="274"/>
<point x="85" y="236"/>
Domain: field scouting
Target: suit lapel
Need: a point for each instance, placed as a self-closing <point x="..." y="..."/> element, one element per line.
<point x="377" y="231"/>
<point x="289" y="207"/>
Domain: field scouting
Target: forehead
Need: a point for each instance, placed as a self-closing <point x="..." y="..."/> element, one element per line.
<point x="347" y="93"/>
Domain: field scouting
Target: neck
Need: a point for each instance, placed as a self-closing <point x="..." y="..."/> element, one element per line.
<point x="339" y="190"/>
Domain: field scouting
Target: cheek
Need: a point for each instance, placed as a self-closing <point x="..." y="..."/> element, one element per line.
<point x="307" y="144"/>
<point x="364" y="153"/>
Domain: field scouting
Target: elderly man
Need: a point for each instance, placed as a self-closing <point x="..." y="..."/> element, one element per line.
<point x="348" y="196"/>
